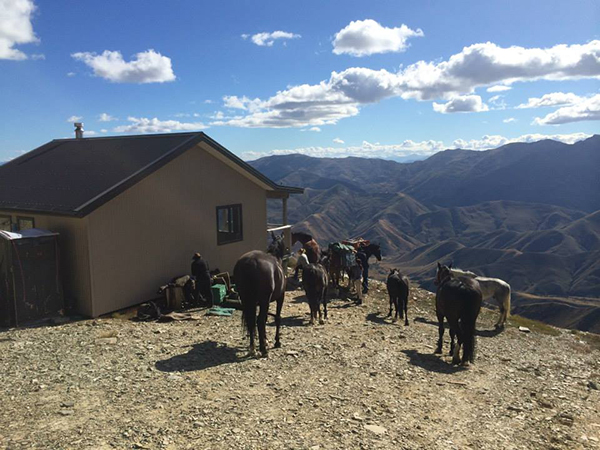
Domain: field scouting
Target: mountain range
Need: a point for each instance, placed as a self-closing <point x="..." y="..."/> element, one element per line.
<point x="528" y="213"/>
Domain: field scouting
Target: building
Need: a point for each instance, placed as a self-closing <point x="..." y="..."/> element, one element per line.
<point x="132" y="210"/>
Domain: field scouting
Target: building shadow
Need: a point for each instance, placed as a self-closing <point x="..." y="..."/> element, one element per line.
<point x="431" y="362"/>
<point x="201" y="356"/>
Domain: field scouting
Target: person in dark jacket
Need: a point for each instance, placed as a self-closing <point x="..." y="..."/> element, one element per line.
<point x="201" y="273"/>
<point x="364" y="262"/>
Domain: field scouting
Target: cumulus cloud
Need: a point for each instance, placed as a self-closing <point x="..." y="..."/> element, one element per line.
<point x="145" y="67"/>
<point x="584" y="109"/>
<point x="71" y="74"/>
<point x="488" y="142"/>
<point x="15" y="27"/>
<point x="509" y="120"/>
<point x="338" y="141"/>
<point x="420" y="149"/>
<point x="367" y="37"/>
<point x="146" y="125"/>
<point x="104" y="117"/>
<point x="316" y="129"/>
<point x="268" y="39"/>
<point x="498" y="88"/>
<point x="366" y="150"/>
<point x="476" y="66"/>
<point x="245" y="103"/>
<point x="74" y="118"/>
<point x="553" y="99"/>
<point x="465" y="103"/>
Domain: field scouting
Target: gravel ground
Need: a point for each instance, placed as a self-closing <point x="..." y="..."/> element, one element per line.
<point x="359" y="381"/>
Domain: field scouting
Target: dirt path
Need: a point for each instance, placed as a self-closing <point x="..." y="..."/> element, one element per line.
<point x="359" y="381"/>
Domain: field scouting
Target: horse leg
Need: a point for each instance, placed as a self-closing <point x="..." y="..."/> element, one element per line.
<point x="278" y="320"/>
<point x="441" y="334"/>
<point x="312" y="312"/>
<point x="324" y="299"/>
<point x="321" y="322"/>
<point x="399" y="310"/>
<point x="452" y="341"/>
<point x="391" y="303"/>
<point x="405" y="311"/>
<point x="262" y="323"/>
<point x="455" y="330"/>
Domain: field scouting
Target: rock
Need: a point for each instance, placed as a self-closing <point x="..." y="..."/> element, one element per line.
<point x="524" y="329"/>
<point x="66" y="412"/>
<point x="592" y="385"/>
<point x="376" y="429"/>
<point x="67" y="404"/>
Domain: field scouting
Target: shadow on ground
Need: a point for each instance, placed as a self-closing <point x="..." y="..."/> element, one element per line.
<point x="201" y="356"/>
<point x="381" y="320"/>
<point x="431" y="362"/>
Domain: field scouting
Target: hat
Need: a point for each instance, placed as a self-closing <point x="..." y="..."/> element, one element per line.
<point x="197" y="256"/>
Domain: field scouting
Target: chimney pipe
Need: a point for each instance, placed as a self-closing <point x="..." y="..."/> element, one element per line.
<point x="78" y="130"/>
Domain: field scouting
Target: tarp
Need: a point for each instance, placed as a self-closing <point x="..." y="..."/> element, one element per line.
<point x="26" y="234"/>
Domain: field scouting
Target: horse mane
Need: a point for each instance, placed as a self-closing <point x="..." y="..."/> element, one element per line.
<point x="464" y="273"/>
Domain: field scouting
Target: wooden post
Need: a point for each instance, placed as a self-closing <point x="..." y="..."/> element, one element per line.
<point x="285" y="214"/>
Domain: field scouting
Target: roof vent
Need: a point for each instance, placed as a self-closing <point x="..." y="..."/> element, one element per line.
<point x="78" y="130"/>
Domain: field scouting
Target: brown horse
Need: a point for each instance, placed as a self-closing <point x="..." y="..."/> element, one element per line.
<point x="314" y="281"/>
<point x="459" y="300"/>
<point x="398" y="287"/>
<point x="260" y="280"/>
<point x="313" y="251"/>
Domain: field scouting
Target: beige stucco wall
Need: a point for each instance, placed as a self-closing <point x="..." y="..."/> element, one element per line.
<point x="74" y="261"/>
<point x="148" y="234"/>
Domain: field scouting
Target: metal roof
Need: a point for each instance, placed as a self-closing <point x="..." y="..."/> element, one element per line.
<point x="75" y="176"/>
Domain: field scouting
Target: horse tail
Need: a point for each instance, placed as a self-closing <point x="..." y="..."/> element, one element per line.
<point x="249" y="316"/>
<point x="468" y="325"/>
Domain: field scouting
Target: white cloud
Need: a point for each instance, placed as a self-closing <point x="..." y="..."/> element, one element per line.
<point x="584" y="109"/>
<point x="552" y="99"/>
<point x="367" y="37"/>
<point x="475" y="66"/>
<point x="208" y="102"/>
<point x="488" y="142"/>
<point x="104" y="130"/>
<point x="338" y="141"/>
<point x="71" y="74"/>
<point x="245" y="103"/>
<point x="146" y="67"/>
<point x="267" y="39"/>
<point x="509" y="120"/>
<point x="316" y="129"/>
<point x="104" y="117"/>
<point x="498" y="88"/>
<point x="145" y="125"/>
<point x="466" y="103"/>
<point x="15" y="27"/>
<point x="366" y="150"/>
<point x="75" y="119"/>
<point x="38" y="56"/>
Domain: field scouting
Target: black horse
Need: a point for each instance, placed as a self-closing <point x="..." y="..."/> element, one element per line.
<point x="314" y="281"/>
<point x="260" y="280"/>
<point x="398" y="287"/>
<point x="459" y="300"/>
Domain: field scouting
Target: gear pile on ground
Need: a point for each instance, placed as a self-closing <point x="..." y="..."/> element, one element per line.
<point x="359" y="381"/>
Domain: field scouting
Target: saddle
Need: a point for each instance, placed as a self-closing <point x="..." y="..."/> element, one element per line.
<point x="345" y="252"/>
<point x="357" y="242"/>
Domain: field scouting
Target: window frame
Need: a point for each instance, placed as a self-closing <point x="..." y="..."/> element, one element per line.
<point x="233" y="235"/>
<point x="31" y="219"/>
<point x="10" y="222"/>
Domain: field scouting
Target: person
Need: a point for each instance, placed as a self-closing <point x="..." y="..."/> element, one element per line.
<point x="364" y="261"/>
<point x="301" y="263"/>
<point x="355" y="273"/>
<point x="201" y="273"/>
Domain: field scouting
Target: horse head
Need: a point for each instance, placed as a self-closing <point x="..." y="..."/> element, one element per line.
<point x="376" y="251"/>
<point x="277" y="246"/>
<point x="443" y="273"/>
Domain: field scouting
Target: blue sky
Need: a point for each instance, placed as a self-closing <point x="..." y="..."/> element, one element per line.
<point x="385" y="79"/>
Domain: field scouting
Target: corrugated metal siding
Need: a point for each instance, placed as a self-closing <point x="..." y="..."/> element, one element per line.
<point x="74" y="258"/>
<point x="148" y="234"/>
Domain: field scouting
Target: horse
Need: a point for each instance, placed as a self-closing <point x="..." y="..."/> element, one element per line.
<point x="337" y="265"/>
<point x="492" y="287"/>
<point x="260" y="280"/>
<point x="459" y="300"/>
<point x="314" y="281"/>
<point x="398" y="287"/>
<point x="369" y="250"/>
<point x="313" y="251"/>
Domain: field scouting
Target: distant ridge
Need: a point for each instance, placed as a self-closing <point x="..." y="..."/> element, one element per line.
<point x="525" y="212"/>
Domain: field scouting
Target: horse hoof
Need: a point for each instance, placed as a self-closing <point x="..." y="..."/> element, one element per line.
<point x="321" y="321"/>
<point x="277" y="344"/>
<point x="438" y="351"/>
<point x="406" y="323"/>
<point x="264" y="354"/>
<point x="465" y="363"/>
<point x="455" y="361"/>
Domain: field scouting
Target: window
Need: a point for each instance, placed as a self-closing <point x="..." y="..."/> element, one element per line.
<point x="229" y="224"/>
<point x="25" y="223"/>
<point x="5" y="223"/>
